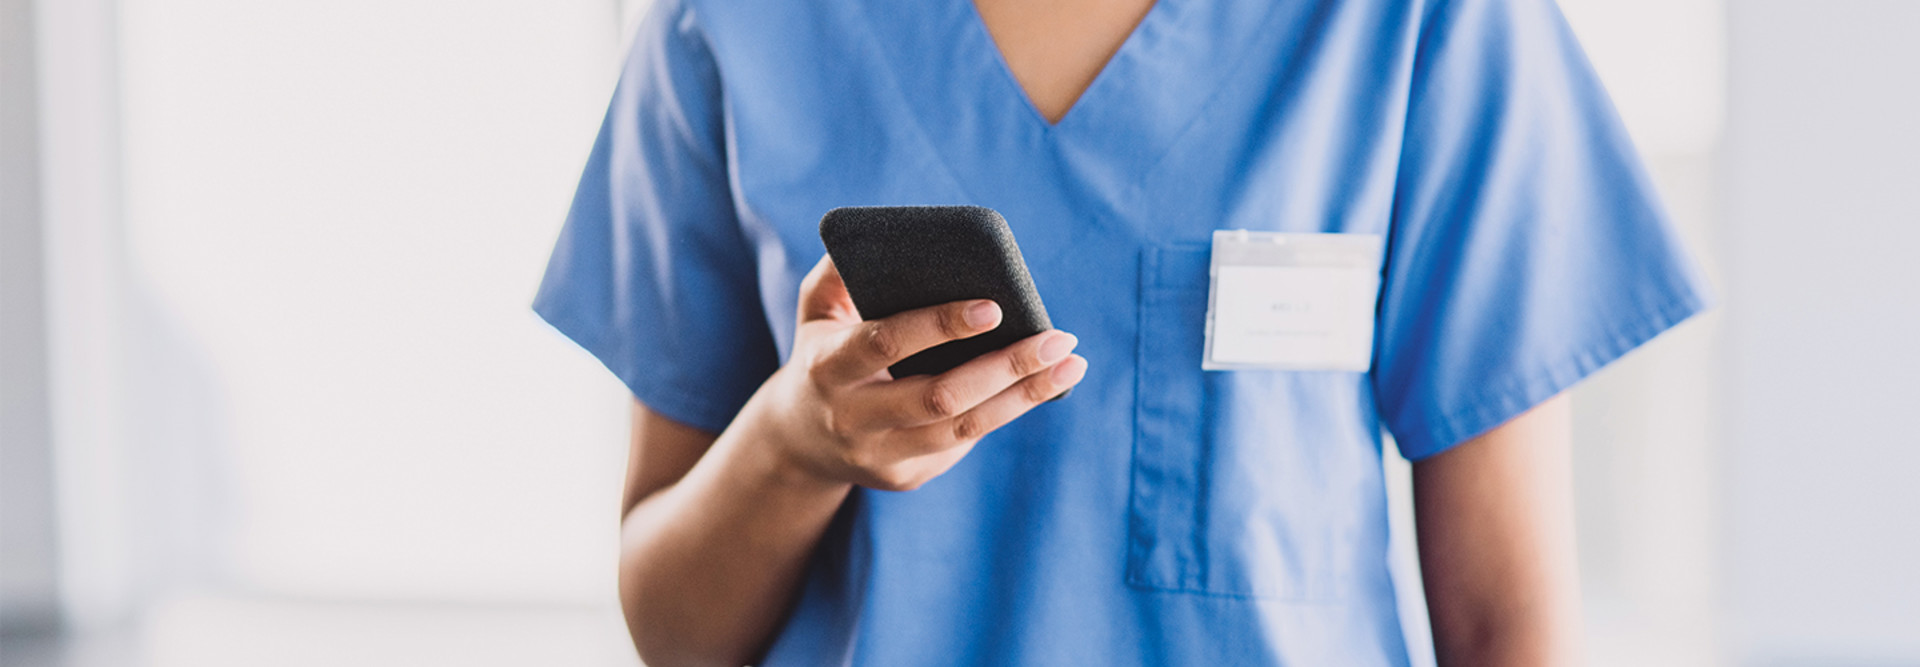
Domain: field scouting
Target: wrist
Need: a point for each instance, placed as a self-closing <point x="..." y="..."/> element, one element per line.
<point x="774" y="453"/>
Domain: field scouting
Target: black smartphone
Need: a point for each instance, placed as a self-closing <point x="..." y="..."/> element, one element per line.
<point x="898" y="258"/>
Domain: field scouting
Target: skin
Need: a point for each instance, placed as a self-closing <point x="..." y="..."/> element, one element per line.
<point x="718" y="527"/>
<point x="1494" y="518"/>
<point x="1055" y="48"/>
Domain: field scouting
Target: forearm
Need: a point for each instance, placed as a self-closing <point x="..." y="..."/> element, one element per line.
<point x="1515" y="631"/>
<point x="709" y="565"/>
<point x="1495" y="528"/>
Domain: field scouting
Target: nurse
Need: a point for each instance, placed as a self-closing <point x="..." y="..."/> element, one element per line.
<point x="1193" y="502"/>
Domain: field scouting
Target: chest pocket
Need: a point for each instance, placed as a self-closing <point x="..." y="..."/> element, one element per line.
<point x="1229" y="496"/>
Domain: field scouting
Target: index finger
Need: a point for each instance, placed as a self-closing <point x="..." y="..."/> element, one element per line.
<point x="873" y="345"/>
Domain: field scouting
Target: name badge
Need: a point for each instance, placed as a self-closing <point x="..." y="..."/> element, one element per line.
<point x="1300" y="302"/>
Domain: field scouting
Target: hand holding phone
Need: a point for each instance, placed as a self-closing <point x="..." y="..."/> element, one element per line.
<point x="832" y="412"/>
<point x="898" y="258"/>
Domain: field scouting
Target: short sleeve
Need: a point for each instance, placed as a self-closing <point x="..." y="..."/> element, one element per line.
<point x="1528" y="248"/>
<point x="652" y="274"/>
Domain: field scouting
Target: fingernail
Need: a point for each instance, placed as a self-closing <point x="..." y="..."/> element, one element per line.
<point x="982" y="315"/>
<point x="1057" y="347"/>
<point x="1067" y="373"/>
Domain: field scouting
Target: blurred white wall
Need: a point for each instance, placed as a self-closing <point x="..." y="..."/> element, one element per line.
<point x="1741" y="481"/>
<point x="1823" y="310"/>
<point x="339" y="212"/>
<point x="291" y="253"/>
<point x="28" y="561"/>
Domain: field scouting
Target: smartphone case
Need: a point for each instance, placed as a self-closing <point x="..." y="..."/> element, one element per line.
<point x="899" y="258"/>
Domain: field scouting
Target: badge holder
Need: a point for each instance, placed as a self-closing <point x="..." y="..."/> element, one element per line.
<point x="1302" y="302"/>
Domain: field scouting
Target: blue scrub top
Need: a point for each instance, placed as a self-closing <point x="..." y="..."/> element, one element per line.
<point x="1161" y="514"/>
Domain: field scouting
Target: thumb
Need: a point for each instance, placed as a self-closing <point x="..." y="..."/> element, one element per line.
<point x="823" y="295"/>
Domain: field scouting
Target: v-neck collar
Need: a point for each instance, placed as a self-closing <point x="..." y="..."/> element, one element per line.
<point x="980" y="34"/>
<point x="970" y="107"/>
